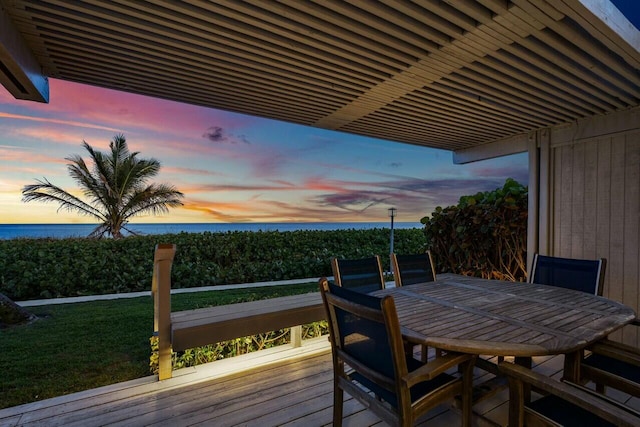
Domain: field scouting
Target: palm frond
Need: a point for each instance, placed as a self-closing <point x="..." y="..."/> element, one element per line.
<point x="44" y="191"/>
<point x="154" y="199"/>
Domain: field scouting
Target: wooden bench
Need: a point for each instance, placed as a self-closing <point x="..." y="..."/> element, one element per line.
<point x="193" y="328"/>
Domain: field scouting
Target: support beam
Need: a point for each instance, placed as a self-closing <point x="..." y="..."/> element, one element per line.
<point x="20" y="71"/>
<point x="504" y="147"/>
<point x="534" y="198"/>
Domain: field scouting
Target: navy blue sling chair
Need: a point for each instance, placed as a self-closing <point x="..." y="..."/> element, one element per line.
<point x="577" y="274"/>
<point x="413" y="268"/>
<point x="608" y="363"/>
<point x="369" y="362"/>
<point x="361" y="275"/>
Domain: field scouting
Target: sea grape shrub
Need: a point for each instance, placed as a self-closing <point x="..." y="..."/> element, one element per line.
<point x="485" y="235"/>
<point x="53" y="268"/>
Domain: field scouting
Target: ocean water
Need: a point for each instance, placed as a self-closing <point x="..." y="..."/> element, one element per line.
<point x="61" y="231"/>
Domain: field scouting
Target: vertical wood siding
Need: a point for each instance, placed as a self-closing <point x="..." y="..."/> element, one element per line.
<point x="596" y="211"/>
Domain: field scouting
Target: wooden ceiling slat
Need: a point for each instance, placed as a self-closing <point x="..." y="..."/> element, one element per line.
<point x="351" y="28"/>
<point x="522" y="91"/>
<point x="463" y="109"/>
<point x="411" y="30"/>
<point x="265" y="30"/>
<point x="522" y="40"/>
<point x="394" y="132"/>
<point x="187" y="61"/>
<point x="203" y="71"/>
<point x="257" y="106"/>
<point x="250" y="51"/>
<point x="449" y="74"/>
<point x="486" y="105"/>
<point x="233" y="85"/>
<point x="515" y="82"/>
<point x="178" y="38"/>
<point x="438" y="121"/>
<point x="567" y="54"/>
<point x="596" y="28"/>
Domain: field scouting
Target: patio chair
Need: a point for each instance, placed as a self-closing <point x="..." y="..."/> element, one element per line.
<point x="411" y="269"/>
<point x="578" y="274"/>
<point x="608" y="363"/>
<point x="369" y="362"/>
<point x="562" y="403"/>
<point x="613" y="364"/>
<point x="360" y="275"/>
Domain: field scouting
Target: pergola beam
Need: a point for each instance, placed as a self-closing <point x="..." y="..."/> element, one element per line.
<point x="20" y="71"/>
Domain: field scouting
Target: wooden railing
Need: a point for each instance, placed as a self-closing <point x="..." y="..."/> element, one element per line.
<point x="193" y="328"/>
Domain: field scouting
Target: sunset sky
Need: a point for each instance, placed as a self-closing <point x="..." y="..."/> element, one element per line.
<point x="231" y="167"/>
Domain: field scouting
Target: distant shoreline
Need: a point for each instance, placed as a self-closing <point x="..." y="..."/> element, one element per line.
<point x="62" y="231"/>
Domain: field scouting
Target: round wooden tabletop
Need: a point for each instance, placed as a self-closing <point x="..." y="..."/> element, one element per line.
<point x="490" y="317"/>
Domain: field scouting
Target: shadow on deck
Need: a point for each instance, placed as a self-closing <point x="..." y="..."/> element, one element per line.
<point x="275" y="387"/>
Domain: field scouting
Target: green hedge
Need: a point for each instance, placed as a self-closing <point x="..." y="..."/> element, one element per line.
<point x="51" y="268"/>
<point x="484" y="235"/>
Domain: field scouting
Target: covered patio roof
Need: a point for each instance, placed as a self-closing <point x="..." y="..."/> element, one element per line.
<point x="452" y="75"/>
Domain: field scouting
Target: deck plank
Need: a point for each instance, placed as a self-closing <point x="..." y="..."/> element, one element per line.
<point x="277" y="387"/>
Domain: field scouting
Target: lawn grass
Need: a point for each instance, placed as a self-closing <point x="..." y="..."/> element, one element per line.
<point x="75" y="347"/>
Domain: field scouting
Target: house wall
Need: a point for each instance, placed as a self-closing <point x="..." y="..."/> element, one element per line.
<point x="591" y="170"/>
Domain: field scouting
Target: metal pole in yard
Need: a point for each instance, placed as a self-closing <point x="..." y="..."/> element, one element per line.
<point x="392" y="214"/>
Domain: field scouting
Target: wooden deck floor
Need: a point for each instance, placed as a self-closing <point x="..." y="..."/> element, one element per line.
<point x="277" y="387"/>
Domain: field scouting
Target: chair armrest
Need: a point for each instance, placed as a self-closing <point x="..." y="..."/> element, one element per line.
<point x="616" y="350"/>
<point x="577" y="396"/>
<point x="436" y="367"/>
<point x="410" y="336"/>
<point x="604" y="397"/>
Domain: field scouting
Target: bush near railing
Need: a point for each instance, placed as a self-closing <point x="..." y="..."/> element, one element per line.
<point x="51" y="268"/>
<point x="231" y="348"/>
<point x="485" y="235"/>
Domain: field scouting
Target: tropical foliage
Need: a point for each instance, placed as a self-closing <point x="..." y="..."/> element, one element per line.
<point x="484" y="235"/>
<point x="52" y="268"/>
<point x="115" y="186"/>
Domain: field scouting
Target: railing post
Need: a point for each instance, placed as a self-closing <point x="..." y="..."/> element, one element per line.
<point x="161" y="292"/>
<point x="296" y="336"/>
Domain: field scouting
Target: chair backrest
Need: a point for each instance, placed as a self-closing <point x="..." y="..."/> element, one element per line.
<point x="360" y="275"/>
<point x="577" y="274"/>
<point x="365" y="334"/>
<point x="411" y="269"/>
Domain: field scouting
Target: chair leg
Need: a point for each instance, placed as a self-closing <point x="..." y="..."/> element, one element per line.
<point x="424" y="353"/>
<point x="338" y="401"/>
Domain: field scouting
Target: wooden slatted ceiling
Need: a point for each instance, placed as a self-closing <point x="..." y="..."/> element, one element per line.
<point x="447" y="74"/>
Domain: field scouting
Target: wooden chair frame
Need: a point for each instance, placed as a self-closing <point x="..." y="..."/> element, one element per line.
<point x="519" y="414"/>
<point x="602" y="377"/>
<point x="407" y="412"/>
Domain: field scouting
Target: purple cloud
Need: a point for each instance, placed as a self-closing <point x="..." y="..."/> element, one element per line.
<point x="219" y="135"/>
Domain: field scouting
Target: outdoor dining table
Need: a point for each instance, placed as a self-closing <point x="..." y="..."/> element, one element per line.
<point x="500" y="318"/>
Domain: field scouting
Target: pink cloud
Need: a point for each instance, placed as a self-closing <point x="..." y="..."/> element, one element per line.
<point x="73" y="123"/>
<point x="17" y="156"/>
<point x="127" y="110"/>
<point x="189" y="171"/>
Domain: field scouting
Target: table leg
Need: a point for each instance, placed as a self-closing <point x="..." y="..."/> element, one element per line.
<point x="572" y="366"/>
<point x="526" y="362"/>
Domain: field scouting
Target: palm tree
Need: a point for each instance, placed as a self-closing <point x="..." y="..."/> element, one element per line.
<point x="115" y="188"/>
